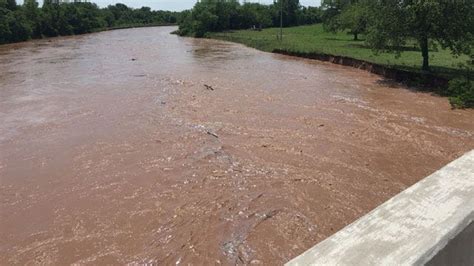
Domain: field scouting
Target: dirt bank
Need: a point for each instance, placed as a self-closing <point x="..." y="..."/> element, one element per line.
<point x="426" y="80"/>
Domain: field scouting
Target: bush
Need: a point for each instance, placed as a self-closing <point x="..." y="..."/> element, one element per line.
<point x="20" y="23"/>
<point x="223" y="15"/>
<point x="461" y="92"/>
<point x="14" y="26"/>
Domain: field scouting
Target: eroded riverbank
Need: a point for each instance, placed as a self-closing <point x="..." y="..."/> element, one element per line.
<point x="113" y="151"/>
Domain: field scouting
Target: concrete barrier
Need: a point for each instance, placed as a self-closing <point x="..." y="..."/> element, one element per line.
<point x="429" y="223"/>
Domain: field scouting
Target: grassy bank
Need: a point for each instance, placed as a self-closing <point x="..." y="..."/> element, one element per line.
<point x="313" y="42"/>
<point x="313" y="39"/>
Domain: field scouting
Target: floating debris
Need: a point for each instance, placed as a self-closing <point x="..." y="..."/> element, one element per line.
<point x="208" y="87"/>
<point x="212" y="134"/>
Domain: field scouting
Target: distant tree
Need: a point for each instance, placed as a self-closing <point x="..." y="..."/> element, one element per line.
<point x="19" y="27"/>
<point x="253" y="14"/>
<point x="186" y="24"/>
<point x="331" y="10"/>
<point x="309" y="15"/>
<point x="211" y="15"/>
<point x="14" y="25"/>
<point x="429" y="22"/>
<point x="227" y="14"/>
<point x="11" y="4"/>
<point x="89" y="17"/>
<point x="143" y="15"/>
<point x="109" y="18"/>
<point x="121" y="13"/>
<point x="47" y="3"/>
<point x="50" y="19"/>
<point x="354" y="17"/>
<point x="290" y="12"/>
<point x="19" y="23"/>
<point x="204" y="20"/>
<point x="33" y="13"/>
<point x="5" y="32"/>
<point x="263" y="16"/>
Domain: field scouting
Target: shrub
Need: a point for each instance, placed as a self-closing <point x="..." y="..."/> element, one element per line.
<point x="461" y="92"/>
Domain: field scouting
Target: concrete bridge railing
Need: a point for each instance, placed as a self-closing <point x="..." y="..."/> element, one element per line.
<point x="430" y="223"/>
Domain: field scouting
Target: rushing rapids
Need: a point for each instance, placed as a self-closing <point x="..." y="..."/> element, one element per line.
<point x="137" y="146"/>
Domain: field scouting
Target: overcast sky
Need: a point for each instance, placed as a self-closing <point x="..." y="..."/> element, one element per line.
<point x="172" y="4"/>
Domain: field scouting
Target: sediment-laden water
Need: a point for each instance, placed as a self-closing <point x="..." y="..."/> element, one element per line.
<point x="113" y="150"/>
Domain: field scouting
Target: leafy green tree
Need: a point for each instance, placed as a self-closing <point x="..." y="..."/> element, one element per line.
<point x="11" y="5"/>
<point x="449" y="24"/>
<point x="211" y="15"/>
<point x="109" y="18"/>
<point x="252" y="15"/>
<point x="354" y="17"/>
<point x="263" y="16"/>
<point x="19" y="27"/>
<point x="19" y="23"/>
<point x="309" y="15"/>
<point x="49" y="19"/>
<point x="14" y="25"/>
<point x="90" y="17"/>
<point x="226" y="13"/>
<point x="186" y="24"/>
<point x="290" y="12"/>
<point x="331" y="10"/>
<point x="5" y="31"/>
<point x="203" y="20"/>
<point x="33" y="13"/>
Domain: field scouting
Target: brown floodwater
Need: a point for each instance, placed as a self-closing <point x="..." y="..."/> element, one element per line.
<point x="113" y="151"/>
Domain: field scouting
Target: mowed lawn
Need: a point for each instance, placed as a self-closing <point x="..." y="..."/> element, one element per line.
<point x="313" y="39"/>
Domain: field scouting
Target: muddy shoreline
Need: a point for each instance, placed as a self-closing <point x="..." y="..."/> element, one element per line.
<point x="425" y="80"/>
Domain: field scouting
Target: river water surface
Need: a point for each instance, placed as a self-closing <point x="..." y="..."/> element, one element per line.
<point x="112" y="150"/>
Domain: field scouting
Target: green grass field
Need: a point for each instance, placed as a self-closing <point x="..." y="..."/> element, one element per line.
<point x="313" y="39"/>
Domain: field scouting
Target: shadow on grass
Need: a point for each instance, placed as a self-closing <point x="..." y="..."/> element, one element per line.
<point x="402" y="49"/>
<point x="445" y="72"/>
<point x="338" y="39"/>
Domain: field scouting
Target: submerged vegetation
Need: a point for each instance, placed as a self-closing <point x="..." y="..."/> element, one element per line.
<point x="29" y="21"/>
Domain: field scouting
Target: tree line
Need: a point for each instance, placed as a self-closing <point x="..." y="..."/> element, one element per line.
<point x="387" y="25"/>
<point x="395" y="25"/>
<point x="29" y="21"/>
<point x="221" y="15"/>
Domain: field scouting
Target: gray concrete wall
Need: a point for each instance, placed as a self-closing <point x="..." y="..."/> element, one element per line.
<point x="429" y="223"/>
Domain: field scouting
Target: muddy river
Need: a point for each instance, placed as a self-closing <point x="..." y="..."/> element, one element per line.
<point x="137" y="146"/>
